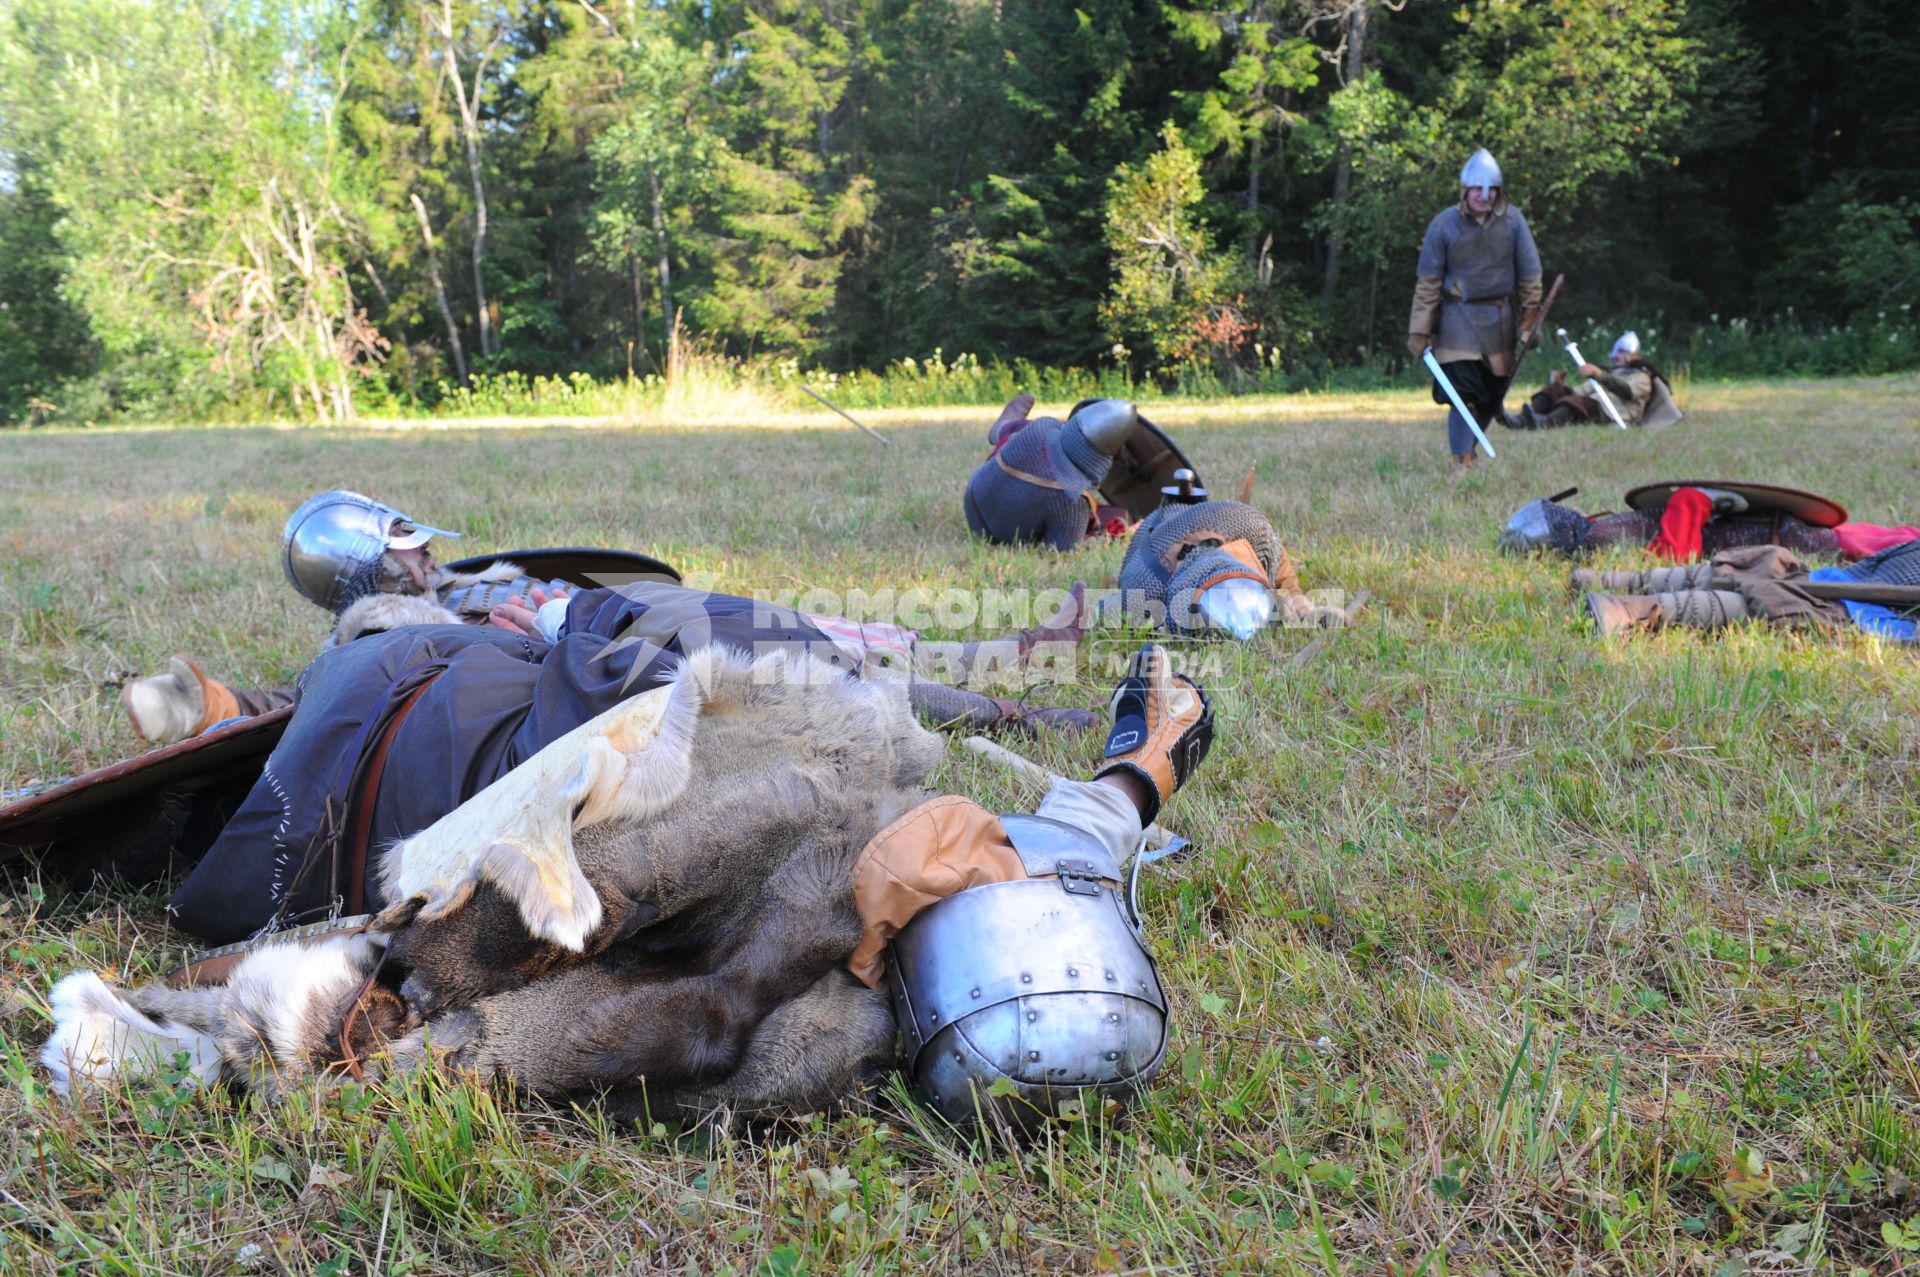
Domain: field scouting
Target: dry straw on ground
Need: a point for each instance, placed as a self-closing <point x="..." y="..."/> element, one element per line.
<point x="1616" y="947"/>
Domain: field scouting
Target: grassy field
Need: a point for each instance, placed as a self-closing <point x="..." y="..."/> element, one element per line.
<point x="1616" y="947"/>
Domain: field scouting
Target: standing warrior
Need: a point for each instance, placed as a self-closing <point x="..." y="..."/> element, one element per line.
<point x="1477" y="292"/>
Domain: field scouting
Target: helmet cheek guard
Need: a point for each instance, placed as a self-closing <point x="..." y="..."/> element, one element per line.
<point x="1031" y="1000"/>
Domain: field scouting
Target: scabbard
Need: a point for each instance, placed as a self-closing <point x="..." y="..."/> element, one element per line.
<point x="1864" y="592"/>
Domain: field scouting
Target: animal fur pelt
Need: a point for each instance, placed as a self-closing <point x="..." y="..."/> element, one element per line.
<point x="404" y="598"/>
<point x="714" y="978"/>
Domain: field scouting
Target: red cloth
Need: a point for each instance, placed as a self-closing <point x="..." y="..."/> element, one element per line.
<point x="1687" y="512"/>
<point x="1858" y="540"/>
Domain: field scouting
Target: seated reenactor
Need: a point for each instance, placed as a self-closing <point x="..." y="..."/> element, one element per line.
<point x="1638" y="390"/>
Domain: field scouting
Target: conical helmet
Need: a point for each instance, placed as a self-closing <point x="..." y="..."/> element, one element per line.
<point x="1481" y="171"/>
<point x="333" y="543"/>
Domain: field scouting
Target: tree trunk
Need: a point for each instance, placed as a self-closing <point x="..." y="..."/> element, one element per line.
<point x="639" y="297"/>
<point x="469" y="109"/>
<point x="1359" y="18"/>
<point x="440" y="291"/>
<point x="665" y="248"/>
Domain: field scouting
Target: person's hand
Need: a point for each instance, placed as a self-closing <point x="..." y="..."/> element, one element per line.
<point x="1162" y="728"/>
<point x="1591" y="371"/>
<point x="1417" y="344"/>
<point x="520" y="618"/>
<point x="1529" y="339"/>
<point x="512" y="616"/>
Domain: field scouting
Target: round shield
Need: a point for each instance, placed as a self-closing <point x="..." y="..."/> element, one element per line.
<point x="1145" y="464"/>
<point x="1762" y="499"/>
<point x="100" y="801"/>
<point x="586" y="567"/>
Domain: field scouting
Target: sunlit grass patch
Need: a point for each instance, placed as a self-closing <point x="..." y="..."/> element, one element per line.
<point x="1612" y="946"/>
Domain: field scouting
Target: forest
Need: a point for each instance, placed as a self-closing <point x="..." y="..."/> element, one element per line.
<point x="314" y="209"/>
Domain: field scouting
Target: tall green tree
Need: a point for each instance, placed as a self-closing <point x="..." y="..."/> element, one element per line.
<point x="208" y="216"/>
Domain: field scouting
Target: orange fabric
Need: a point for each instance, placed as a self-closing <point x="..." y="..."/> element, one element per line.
<point x="1242" y="549"/>
<point x="220" y="703"/>
<point x="941" y="847"/>
<point x="1687" y="512"/>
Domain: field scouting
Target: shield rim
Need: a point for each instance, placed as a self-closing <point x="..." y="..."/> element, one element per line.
<point x="566" y="562"/>
<point x="1139" y="495"/>
<point x="1808" y="507"/>
<point x="51" y="815"/>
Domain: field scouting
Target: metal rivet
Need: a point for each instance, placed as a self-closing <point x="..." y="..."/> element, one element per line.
<point x="1033" y="1055"/>
<point x="1026" y="979"/>
<point x="976" y="993"/>
<point x="959" y="1058"/>
<point x="1074" y="972"/>
<point x="1114" y="1018"/>
<point x="1113" y="1055"/>
<point x="1109" y="975"/>
<point x="1032" y="1016"/>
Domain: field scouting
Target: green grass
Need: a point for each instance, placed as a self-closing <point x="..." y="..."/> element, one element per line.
<point x="1616" y="947"/>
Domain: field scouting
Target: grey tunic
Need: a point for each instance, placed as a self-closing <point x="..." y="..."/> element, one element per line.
<point x="1479" y="277"/>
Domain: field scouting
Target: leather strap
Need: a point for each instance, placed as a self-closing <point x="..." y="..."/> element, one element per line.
<point x="360" y="830"/>
<point x="1024" y="476"/>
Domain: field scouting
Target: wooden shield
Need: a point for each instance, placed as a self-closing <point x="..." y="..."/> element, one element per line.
<point x="1144" y="465"/>
<point x="105" y="819"/>
<point x="1763" y="500"/>
<point x="586" y="567"/>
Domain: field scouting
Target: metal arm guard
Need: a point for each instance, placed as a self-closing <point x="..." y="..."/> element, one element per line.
<point x="1015" y="999"/>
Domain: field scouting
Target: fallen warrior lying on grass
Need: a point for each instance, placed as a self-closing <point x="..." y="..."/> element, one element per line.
<point x="372" y="568"/>
<point x="1761" y="583"/>
<point x="689" y="903"/>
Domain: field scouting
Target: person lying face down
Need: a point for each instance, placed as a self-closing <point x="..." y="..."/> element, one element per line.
<point x="693" y="902"/>
<point x="1041" y="483"/>
<point x="1210" y="567"/>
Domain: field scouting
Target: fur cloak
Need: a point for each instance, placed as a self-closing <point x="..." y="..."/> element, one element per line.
<point x="717" y="846"/>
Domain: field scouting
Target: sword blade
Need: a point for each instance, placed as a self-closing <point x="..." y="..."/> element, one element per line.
<point x="1453" y="396"/>
<point x="1606" y="400"/>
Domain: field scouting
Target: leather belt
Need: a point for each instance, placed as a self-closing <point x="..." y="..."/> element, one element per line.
<point x="360" y="827"/>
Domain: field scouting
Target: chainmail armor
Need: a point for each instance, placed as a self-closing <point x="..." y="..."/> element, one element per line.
<point x="1895" y="565"/>
<point x="1177" y="548"/>
<point x="1005" y="508"/>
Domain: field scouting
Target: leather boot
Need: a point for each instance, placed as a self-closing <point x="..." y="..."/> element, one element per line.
<point x="182" y="702"/>
<point x="1585" y="579"/>
<point x="1623" y="613"/>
